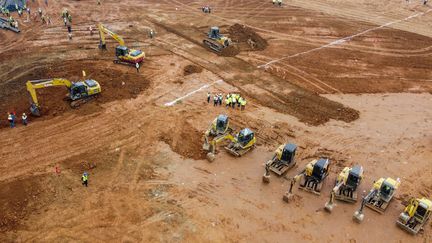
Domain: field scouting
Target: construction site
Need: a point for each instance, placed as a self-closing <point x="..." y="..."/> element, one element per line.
<point x="215" y="121"/>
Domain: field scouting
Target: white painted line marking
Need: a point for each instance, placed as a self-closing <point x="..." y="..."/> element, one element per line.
<point x="193" y="92"/>
<point x="343" y="40"/>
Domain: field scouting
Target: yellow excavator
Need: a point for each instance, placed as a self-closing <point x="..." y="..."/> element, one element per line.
<point x="282" y="161"/>
<point x="379" y="197"/>
<point x="79" y="92"/>
<point x="216" y="41"/>
<point x="311" y="178"/>
<point x="415" y="215"/>
<point x="219" y="127"/>
<point x="346" y="186"/>
<point x="124" y="55"/>
<point x="239" y="144"/>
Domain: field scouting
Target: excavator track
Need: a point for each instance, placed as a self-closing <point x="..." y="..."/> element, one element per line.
<point x="214" y="46"/>
<point x="77" y="103"/>
<point x="4" y="24"/>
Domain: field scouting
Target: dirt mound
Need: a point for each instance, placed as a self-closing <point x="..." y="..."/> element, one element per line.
<point x="190" y="69"/>
<point x="229" y="51"/>
<point x="185" y="140"/>
<point x="115" y="85"/>
<point x="243" y="34"/>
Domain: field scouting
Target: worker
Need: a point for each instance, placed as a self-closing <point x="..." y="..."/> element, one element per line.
<point x="243" y="104"/>
<point x="215" y="100"/>
<point x="43" y="19"/>
<point x="40" y="12"/>
<point x="70" y="18"/>
<point x="151" y="33"/>
<point x="11" y="120"/>
<point x="227" y="101"/>
<point x="98" y="2"/>
<point x="425" y="2"/>
<point x="65" y="21"/>
<point x="220" y="98"/>
<point x="280" y="3"/>
<point x="274" y="2"/>
<point x="19" y="12"/>
<point x="233" y="100"/>
<point x="91" y="31"/>
<point x="24" y="119"/>
<point x="208" y="97"/>
<point x="137" y="66"/>
<point x="48" y="20"/>
<point x="84" y="179"/>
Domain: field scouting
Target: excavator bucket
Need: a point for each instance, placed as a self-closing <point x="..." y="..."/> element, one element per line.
<point x="35" y="110"/>
<point x="211" y="157"/>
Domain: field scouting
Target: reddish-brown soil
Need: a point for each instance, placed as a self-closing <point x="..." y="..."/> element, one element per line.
<point x="364" y="101"/>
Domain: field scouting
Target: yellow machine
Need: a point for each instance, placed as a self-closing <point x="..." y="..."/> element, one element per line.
<point x="219" y="127"/>
<point x="79" y="92"/>
<point x="240" y="144"/>
<point x="415" y="215"/>
<point x="282" y="161"/>
<point x="215" y="41"/>
<point x="311" y="178"/>
<point x="378" y="198"/>
<point x="346" y="186"/>
<point x="124" y="55"/>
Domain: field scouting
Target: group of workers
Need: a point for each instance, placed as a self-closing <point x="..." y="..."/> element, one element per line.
<point x="231" y="100"/>
<point x="278" y="2"/>
<point x="12" y="119"/>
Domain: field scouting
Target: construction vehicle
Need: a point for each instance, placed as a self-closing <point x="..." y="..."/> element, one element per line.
<point x="219" y="127"/>
<point x="282" y="161"/>
<point x="215" y="41"/>
<point x="415" y="215"/>
<point x="124" y="55"/>
<point x="378" y="197"/>
<point x="311" y="178"/>
<point x="240" y="144"/>
<point x="346" y="186"/>
<point x="9" y="24"/>
<point x="79" y="92"/>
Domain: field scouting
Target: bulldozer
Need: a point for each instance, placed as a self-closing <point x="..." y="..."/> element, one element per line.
<point x="216" y="41"/>
<point x="346" y="186"/>
<point x="239" y="144"/>
<point x="219" y="127"/>
<point x="311" y="178"/>
<point x="78" y="92"/>
<point x="282" y="161"/>
<point x="379" y="197"/>
<point x="124" y="55"/>
<point x="415" y="215"/>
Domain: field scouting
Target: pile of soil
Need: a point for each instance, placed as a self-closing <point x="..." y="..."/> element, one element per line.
<point x="243" y="34"/>
<point x="184" y="140"/>
<point x="190" y="69"/>
<point x="115" y="85"/>
<point x="229" y="51"/>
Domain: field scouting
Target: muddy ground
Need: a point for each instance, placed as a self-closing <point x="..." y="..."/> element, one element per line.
<point x="365" y="100"/>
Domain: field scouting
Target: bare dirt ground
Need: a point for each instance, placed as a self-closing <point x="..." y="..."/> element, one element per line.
<point x="363" y="100"/>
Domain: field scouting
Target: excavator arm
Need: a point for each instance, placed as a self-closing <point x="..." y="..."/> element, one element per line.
<point x="103" y="30"/>
<point x="33" y="85"/>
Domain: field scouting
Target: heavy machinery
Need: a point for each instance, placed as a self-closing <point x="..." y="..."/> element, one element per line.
<point x="282" y="161"/>
<point x="219" y="127"/>
<point x="124" y="55"/>
<point x="346" y="186"/>
<point x="239" y="144"/>
<point x="79" y="92"/>
<point x="311" y="178"/>
<point x="215" y="41"/>
<point x="415" y="215"/>
<point x="378" y="197"/>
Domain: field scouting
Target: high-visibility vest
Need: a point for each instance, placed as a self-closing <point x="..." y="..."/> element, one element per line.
<point x="84" y="178"/>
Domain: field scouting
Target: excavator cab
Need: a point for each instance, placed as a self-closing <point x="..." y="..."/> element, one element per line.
<point x="288" y="153"/>
<point x="221" y="123"/>
<point x="214" y="33"/>
<point x="245" y="136"/>
<point x="320" y="169"/>
<point x="354" y="177"/>
<point x="121" y="51"/>
<point x="387" y="190"/>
